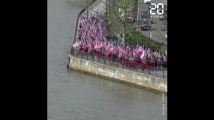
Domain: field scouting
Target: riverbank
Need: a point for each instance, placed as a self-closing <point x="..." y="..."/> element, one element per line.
<point x="120" y="75"/>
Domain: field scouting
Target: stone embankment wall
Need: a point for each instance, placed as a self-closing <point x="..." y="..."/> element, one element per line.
<point x="119" y="74"/>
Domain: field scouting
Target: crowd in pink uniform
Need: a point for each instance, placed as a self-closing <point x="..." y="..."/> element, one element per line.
<point x="92" y="40"/>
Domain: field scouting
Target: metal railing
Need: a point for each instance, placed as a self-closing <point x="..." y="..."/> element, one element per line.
<point x="159" y="72"/>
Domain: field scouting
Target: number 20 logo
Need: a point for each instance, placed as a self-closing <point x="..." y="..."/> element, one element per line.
<point x="160" y="10"/>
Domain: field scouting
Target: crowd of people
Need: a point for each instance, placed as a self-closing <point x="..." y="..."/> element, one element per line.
<point x="92" y="40"/>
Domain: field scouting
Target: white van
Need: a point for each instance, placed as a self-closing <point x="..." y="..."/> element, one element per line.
<point x="147" y="1"/>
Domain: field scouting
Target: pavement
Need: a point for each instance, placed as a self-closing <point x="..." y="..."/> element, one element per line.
<point x="99" y="6"/>
<point x="156" y="33"/>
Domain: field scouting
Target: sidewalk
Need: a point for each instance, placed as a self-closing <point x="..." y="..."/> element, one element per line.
<point x="99" y="6"/>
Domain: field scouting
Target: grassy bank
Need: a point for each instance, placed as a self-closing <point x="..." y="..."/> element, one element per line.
<point x="135" y="37"/>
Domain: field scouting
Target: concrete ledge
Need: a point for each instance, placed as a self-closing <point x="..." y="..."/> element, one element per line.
<point x="120" y="75"/>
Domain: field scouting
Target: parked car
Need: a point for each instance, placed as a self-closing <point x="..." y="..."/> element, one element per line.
<point x="164" y="26"/>
<point x="147" y="21"/>
<point x="146" y="15"/>
<point x="151" y="20"/>
<point x="163" y="17"/>
<point x="147" y="1"/>
<point x="146" y="25"/>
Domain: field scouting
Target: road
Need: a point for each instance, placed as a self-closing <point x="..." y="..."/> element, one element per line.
<point x="156" y="33"/>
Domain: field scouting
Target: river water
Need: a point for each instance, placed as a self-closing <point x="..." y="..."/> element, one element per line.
<point x="77" y="96"/>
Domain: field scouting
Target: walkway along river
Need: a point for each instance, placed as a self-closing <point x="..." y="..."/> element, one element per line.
<point x="77" y="96"/>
